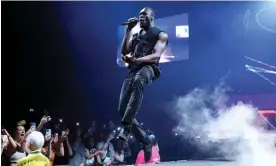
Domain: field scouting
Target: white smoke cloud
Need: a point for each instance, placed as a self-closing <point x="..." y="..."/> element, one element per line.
<point x="205" y="113"/>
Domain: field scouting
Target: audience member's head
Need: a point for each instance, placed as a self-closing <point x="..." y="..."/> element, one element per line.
<point x="90" y="143"/>
<point x="20" y="130"/>
<point x="35" y="141"/>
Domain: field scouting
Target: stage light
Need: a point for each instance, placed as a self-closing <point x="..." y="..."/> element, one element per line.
<point x="31" y="110"/>
<point x="77" y="124"/>
<point x="142" y="124"/>
<point x="60" y="120"/>
<point x="176" y="134"/>
<point x="131" y="137"/>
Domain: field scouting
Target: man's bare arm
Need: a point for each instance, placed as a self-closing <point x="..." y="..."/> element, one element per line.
<point x="159" y="48"/>
<point x="125" y="47"/>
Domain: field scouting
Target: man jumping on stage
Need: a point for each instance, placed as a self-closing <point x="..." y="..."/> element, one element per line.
<point x="141" y="51"/>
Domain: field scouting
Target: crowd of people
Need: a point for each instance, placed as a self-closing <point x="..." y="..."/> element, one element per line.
<point x="43" y="145"/>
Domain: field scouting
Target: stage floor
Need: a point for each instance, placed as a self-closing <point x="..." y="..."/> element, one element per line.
<point x="198" y="163"/>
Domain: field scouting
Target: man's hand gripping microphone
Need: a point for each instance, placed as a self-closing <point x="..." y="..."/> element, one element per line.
<point x="132" y="22"/>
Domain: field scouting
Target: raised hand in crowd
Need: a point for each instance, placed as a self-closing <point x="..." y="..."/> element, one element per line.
<point x="43" y="121"/>
<point x="64" y="135"/>
<point x="52" y="138"/>
<point x="55" y="138"/>
<point x="59" y="146"/>
<point x="49" y="143"/>
<point x="4" y="142"/>
<point x="19" y="138"/>
<point x="32" y="128"/>
<point x="65" y="140"/>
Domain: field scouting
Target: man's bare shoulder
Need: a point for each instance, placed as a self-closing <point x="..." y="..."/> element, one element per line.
<point x="163" y="36"/>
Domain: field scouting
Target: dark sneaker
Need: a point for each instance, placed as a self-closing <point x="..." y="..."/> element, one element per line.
<point x="148" y="150"/>
<point x="124" y="134"/>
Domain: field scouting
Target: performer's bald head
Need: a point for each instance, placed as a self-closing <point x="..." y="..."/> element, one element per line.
<point x="149" y="11"/>
<point x="146" y="17"/>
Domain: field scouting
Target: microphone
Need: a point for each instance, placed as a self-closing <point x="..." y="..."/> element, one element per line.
<point x="130" y="21"/>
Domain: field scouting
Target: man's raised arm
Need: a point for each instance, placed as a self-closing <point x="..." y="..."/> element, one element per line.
<point x="125" y="47"/>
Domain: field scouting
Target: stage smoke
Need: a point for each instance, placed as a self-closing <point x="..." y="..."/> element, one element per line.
<point x="204" y="115"/>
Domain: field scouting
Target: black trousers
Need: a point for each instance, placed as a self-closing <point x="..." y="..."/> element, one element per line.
<point x="131" y="98"/>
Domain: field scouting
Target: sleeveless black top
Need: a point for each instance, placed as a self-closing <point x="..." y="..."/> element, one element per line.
<point x="144" y="45"/>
